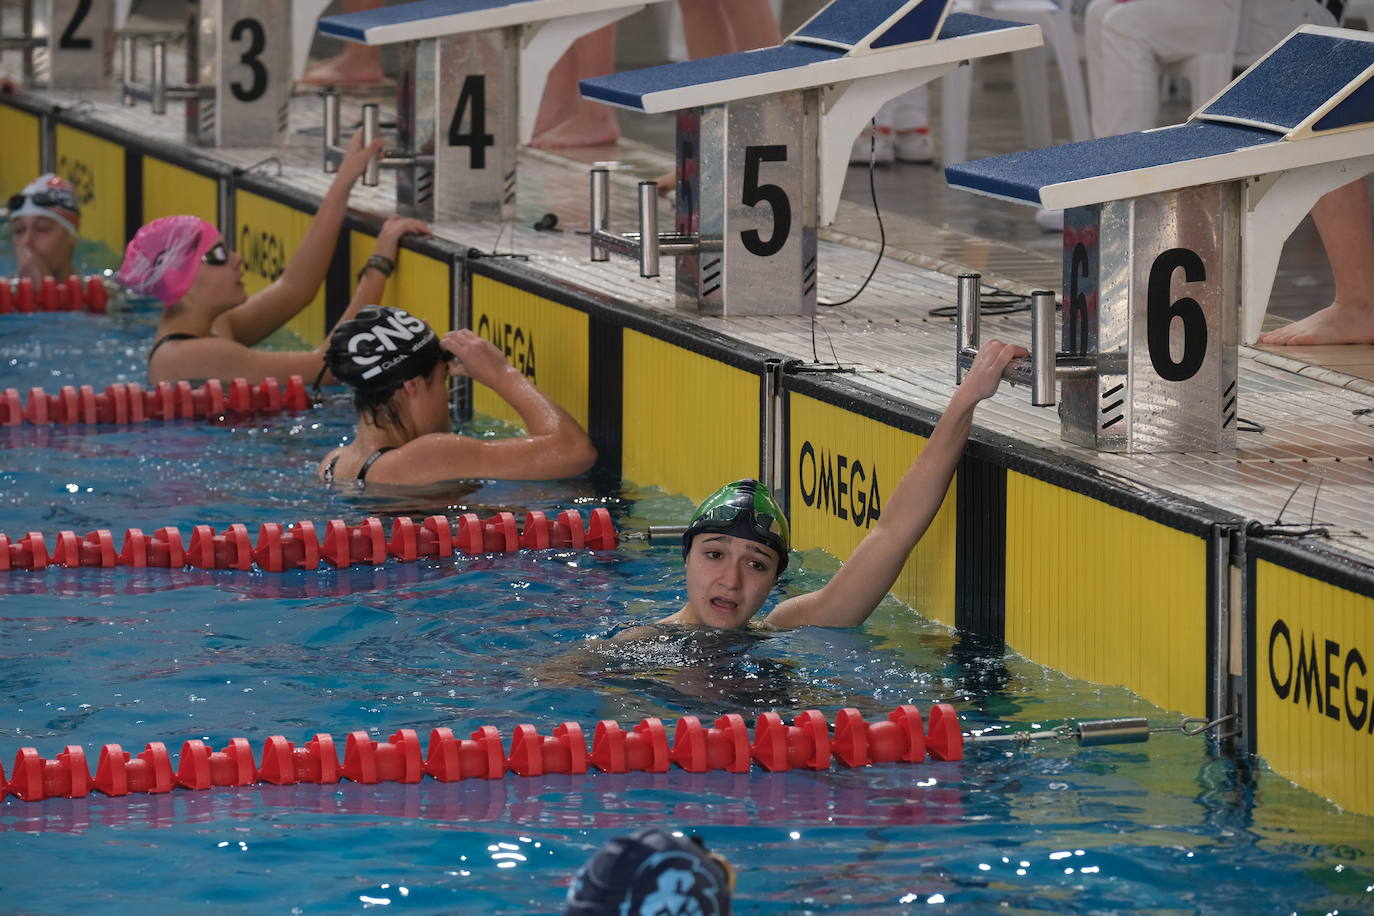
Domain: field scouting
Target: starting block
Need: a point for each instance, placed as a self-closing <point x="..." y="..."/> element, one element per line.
<point x="237" y="87"/>
<point x="763" y="142"/>
<point x="66" y="44"/>
<point x="472" y="76"/>
<point x="1172" y="239"/>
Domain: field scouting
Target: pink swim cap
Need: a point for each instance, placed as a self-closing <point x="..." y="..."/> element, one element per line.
<point x="162" y="259"/>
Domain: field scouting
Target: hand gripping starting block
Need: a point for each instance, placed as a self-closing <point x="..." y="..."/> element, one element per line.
<point x="472" y="75"/>
<point x="66" y="44"/>
<point x="763" y="142"/>
<point x="237" y="87"/>
<point x="1172" y="239"/>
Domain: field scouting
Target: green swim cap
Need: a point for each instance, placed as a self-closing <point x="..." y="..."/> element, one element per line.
<point x="743" y="509"/>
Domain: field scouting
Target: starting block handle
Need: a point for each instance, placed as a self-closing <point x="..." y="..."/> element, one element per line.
<point x="1045" y="365"/>
<point x="648" y="228"/>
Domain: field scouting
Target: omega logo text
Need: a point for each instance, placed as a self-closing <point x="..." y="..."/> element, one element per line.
<point x="512" y="340"/>
<point x="263" y="253"/>
<point x="1320" y="673"/>
<point x="839" y="485"/>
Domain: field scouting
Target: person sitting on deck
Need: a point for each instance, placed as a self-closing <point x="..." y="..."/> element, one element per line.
<point x="399" y="370"/>
<point x="736" y="544"/>
<point x="211" y="323"/>
<point x="44" y="221"/>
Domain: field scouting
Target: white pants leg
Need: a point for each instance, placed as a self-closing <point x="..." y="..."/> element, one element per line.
<point x="1129" y="42"/>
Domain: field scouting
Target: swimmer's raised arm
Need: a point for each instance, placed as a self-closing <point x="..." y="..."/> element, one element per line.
<point x="555" y="444"/>
<point x="864" y="580"/>
<point x="272" y="307"/>
<point x="372" y="281"/>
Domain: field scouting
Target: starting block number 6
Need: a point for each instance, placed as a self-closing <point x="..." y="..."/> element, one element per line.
<point x="1160" y="312"/>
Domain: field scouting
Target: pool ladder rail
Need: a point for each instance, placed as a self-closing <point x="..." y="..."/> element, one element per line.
<point x="807" y="743"/>
<point x="300" y="546"/>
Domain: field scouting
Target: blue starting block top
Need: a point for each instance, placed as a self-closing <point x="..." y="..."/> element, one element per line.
<point x="1309" y="101"/>
<point x="873" y="23"/>
<point x="436" y="18"/>
<point x="800" y="63"/>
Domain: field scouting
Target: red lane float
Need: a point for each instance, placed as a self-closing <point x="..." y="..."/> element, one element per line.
<point x="279" y="548"/>
<point x="726" y="746"/>
<point x="74" y="294"/>
<point x="120" y="403"/>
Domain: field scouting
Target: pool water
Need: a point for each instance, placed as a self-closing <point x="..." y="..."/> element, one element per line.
<point x="94" y="656"/>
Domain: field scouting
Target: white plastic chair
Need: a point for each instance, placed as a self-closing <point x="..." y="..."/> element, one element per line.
<point x="1032" y="81"/>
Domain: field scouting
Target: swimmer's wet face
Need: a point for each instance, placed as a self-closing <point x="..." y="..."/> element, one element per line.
<point x="218" y="280"/>
<point x="728" y="579"/>
<point x="46" y="240"/>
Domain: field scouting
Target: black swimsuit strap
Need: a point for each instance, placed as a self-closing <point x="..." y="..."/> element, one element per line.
<point x="362" y="472"/>
<point x="166" y="337"/>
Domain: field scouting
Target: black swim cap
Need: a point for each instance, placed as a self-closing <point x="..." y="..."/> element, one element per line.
<point x="381" y="347"/>
<point x="745" y="509"/>
<point x="646" y="873"/>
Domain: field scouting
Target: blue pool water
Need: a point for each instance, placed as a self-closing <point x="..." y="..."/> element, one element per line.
<point x="96" y="656"/>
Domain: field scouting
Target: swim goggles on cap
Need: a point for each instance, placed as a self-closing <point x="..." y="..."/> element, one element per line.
<point x="48" y="198"/>
<point x="765" y="525"/>
<point x="217" y="255"/>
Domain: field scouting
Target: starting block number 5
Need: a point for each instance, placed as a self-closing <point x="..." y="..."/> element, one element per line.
<point x="774" y="196"/>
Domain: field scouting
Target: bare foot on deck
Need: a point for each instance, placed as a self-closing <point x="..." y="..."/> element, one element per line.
<point x="600" y="129"/>
<point x="1335" y="324"/>
<point x="351" y="68"/>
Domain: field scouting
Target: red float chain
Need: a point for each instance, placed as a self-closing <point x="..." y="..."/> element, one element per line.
<point x="805" y="744"/>
<point x="121" y="403"/>
<point x="73" y="294"/>
<point x="279" y="548"/>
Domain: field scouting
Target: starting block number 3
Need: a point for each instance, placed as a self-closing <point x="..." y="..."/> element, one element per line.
<point x="252" y="31"/>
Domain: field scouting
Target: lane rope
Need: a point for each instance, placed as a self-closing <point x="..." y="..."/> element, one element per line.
<point x="300" y="546"/>
<point x="130" y="403"/>
<point x="807" y="743"/>
<point x="74" y="294"/>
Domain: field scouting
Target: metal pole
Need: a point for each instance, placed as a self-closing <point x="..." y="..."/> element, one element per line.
<point x="648" y="229"/>
<point x="371" y="120"/>
<point x="771" y="456"/>
<point x="1043" y="349"/>
<point x="966" y="320"/>
<point x="158" y="94"/>
<point x="331" y="128"/>
<point x="601" y="211"/>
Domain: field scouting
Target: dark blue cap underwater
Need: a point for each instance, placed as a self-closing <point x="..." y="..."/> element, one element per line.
<point x="649" y="872"/>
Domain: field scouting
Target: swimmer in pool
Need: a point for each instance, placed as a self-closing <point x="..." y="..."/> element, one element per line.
<point x="736" y="544"/>
<point x="211" y="323"/>
<point x="44" y="220"/>
<point x="399" y="369"/>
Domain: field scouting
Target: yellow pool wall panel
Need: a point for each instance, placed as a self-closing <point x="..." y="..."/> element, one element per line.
<point x="691" y="423"/>
<point x="546" y="341"/>
<point x="169" y="190"/>
<point x="1314" y="684"/>
<point x="22" y="160"/>
<point x="420" y="284"/>
<point x="267" y="234"/>
<point x="1105" y="595"/>
<point x="95" y="167"/>
<point x="842" y="467"/>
